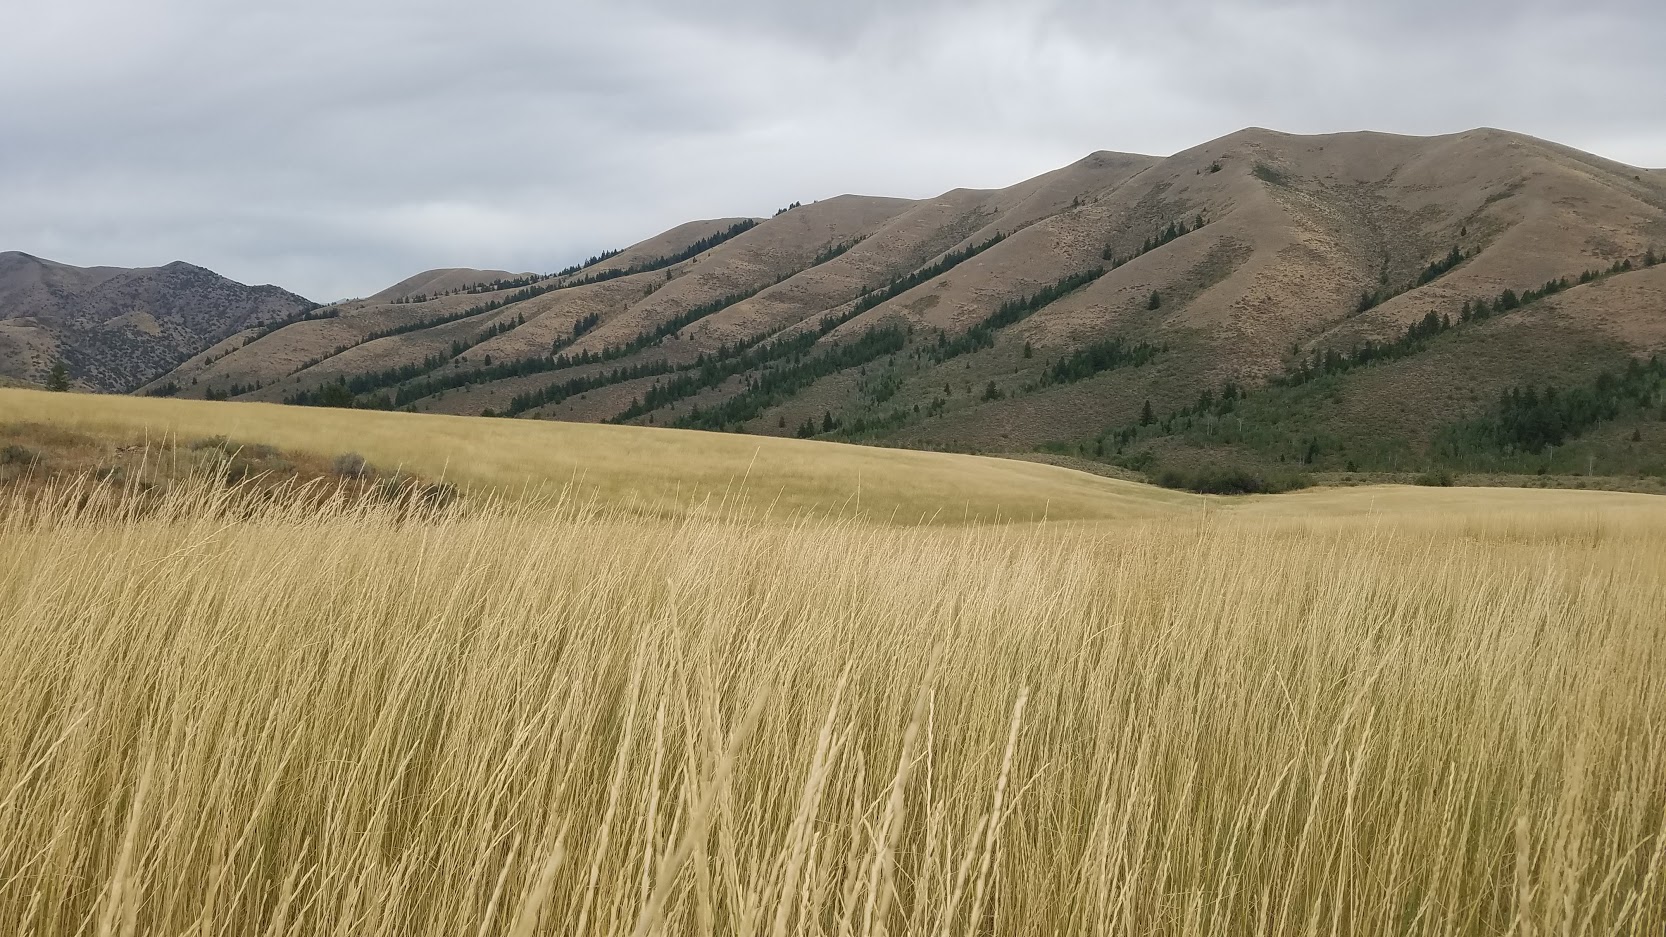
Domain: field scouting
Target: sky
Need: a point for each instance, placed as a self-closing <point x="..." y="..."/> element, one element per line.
<point x="334" y="147"/>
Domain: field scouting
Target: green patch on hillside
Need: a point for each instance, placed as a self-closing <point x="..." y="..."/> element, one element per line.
<point x="1491" y="393"/>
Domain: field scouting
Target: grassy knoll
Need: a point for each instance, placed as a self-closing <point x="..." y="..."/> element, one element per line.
<point x="670" y="472"/>
<point x="651" y="470"/>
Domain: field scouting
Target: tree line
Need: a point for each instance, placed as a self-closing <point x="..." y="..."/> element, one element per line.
<point x="1173" y="232"/>
<point x="730" y="361"/>
<point x="1371" y="299"/>
<point x="1417" y="335"/>
<point x="668" y="260"/>
<point x="590" y="262"/>
<point x="307" y="315"/>
<point x="773" y="385"/>
<point x="1529" y="419"/>
<point x="902" y="284"/>
<point x="1098" y="357"/>
<point x="1011" y="312"/>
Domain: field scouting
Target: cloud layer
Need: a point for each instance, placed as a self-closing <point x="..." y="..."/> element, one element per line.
<point x="336" y="147"/>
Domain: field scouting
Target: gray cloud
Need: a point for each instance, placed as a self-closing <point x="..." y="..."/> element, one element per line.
<point x="334" y="147"/>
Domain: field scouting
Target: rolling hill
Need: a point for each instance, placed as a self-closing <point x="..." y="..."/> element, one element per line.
<point x="115" y="328"/>
<point x="652" y="472"/>
<point x="1310" y="292"/>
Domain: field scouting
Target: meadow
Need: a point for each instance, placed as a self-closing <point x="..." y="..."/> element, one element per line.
<point x="750" y="706"/>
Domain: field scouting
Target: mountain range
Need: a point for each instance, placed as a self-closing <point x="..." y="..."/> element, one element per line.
<point x="1261" y="304"/>
<point x="115" y="328"/>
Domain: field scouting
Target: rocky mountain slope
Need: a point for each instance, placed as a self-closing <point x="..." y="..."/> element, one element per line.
<point x="116" y="328"/>
<point x="1351" y="302"/>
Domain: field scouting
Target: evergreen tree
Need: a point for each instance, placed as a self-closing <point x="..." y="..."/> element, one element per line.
<point x="827" y="424"/>
<point x="58" y="380"/>
<point x="1155" y="301"/>
<point x="335" y="395"/>
<point x="1146" y="416"/>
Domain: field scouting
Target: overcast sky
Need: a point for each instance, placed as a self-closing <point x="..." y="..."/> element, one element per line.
<point x="336" y="146"/>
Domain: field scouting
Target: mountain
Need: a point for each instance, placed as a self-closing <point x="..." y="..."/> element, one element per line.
<point x="431" y="284"/>
<point x="1265" y="302"/>
<point x="115" y="328"/>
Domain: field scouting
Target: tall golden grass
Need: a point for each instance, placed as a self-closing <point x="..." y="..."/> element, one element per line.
<point x="288" y="718"/>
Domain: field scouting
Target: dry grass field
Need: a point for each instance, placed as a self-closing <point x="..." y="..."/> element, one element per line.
<point x="657" y="472"/>
<point x="1362" y="711"/>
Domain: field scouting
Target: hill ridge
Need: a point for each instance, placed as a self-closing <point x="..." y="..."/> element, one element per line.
<point x="1291" y="243"/>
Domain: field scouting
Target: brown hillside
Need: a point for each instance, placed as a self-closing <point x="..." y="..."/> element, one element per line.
<point x="1309" y="244"/>
<point x="306" y="355"/>
<point x="115" y="327"/>
<point x="441" y="281"/>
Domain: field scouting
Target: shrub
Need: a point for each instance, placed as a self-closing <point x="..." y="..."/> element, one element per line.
<point x="1439" y="478"/>
<point x="211" y="442"/>
<point x="238" y="470"/>
<point x="14" y="454"/>
<point x="1231" y="481"/>
<point x="349" y="465"/>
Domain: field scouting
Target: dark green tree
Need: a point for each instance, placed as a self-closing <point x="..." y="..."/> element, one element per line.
<point x="1146" y="416"/>
<point x="1155" y="301"/>
<point x="335" y="395"/>
<point x="58" y="379"/>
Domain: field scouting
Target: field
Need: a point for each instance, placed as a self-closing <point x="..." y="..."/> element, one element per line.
<point x="707" y="691"/>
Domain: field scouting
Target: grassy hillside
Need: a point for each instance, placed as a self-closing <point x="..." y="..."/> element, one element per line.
<point x="1049" y="315"/>
<point x="652" y="471"/>
<point x="293" y="719"/>
<point x="648" y="470"/>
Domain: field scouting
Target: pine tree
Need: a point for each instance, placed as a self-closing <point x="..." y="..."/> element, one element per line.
<point x="58" y="380"/>
<point x="1146" y="416"/>
<point x="827" y="421"/>
<point x="1155" y="302"/>
<point x="1029" y="352"/>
